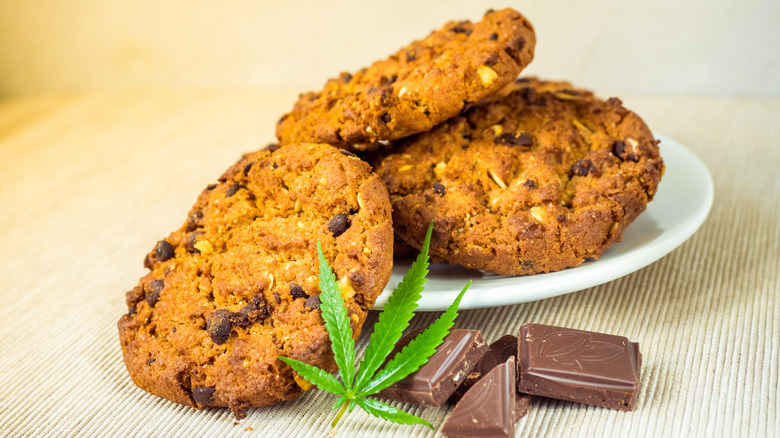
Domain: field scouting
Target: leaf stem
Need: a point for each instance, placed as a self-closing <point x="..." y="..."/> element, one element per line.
<point x="341" y="412"/>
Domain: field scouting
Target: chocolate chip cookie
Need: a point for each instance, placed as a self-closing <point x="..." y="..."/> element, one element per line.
<point x="418" y="87"/>
<point x="236" y="286"/>
<point x="537" y="179"/>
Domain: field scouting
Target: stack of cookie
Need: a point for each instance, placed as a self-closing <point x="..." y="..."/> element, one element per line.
<point x="518" y="176"/>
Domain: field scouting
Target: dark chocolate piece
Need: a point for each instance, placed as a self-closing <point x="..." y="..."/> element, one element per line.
<point x="579" y="366"/>
<point x="435" y="381"/>
<point x="488" y="409"/>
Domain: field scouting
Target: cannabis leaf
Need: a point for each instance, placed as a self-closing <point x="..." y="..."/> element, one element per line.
<point x="368" y="379"/>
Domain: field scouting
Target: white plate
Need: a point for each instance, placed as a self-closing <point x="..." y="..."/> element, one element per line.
<point x="679" y="208"/>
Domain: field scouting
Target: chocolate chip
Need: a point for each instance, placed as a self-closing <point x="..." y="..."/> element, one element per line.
<point x="274" y="166"/>
<point x="192" y="239"/>
<point x="493" y="36"/>
<point x="619" y="148"/>
<point x="277" y="298"/>
<point x="255" y="311"/>
<point x="527" y="264"/>
<point x="150" y="361"/>
<point x="163" y="250"/>
<point x="193" y="220"/>
<point x="272" y="147"/>
<point x="387" y="118"/>
<point x="561" y="218"/>
<point x="339" y="224"/>
<point x="461" y="29"/>
<point x="203" y="395"/>
<point x="347" y="153"/>
<point x="632" y="157"/>
<point x="345" y="77"/>
<point x="152" y="291"/>
<point x="439" y="189"/>
<point x="297" y="291"/>
<point x="515" y="46"/>
<point x="491" y="59"/>
<point x="581" y="167"/>
<point x="232" y="190"/>
<point x="211" y="187"/>
<point x="356" y="278"/>
<point x="131" y="310"/>
<point x="219" y="326"/>
<point x="614" y="101"/>
<point x="313" y="302"/>
<point x="530" y="184"/>
<point x="410" y="56"/>
<point x="248" y="167"/>
<point x="515" y="139"/>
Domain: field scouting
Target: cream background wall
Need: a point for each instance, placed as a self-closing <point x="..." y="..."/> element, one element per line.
<point x="713" y="47"/>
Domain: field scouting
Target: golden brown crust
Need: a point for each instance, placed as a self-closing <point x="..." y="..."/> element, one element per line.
<point x="418" y="87"/>
<point x="231" y="289"/>
<point x="536" y="179"/>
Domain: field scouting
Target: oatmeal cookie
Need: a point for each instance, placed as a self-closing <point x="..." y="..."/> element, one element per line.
<point x="537" y="179"/>
<point x="236" y="286"/>
<point x="418" y="87"/>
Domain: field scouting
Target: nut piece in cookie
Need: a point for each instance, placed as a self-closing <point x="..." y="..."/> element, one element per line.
<point x="236" y="286"/>
<point x="416" y="88"/>
<point x="535" y="179"/>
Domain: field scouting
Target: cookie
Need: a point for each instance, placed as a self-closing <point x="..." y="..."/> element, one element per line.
<point x="236" y="286"/>
<point x="418" y="87"/>
<point x="538" y="179"/>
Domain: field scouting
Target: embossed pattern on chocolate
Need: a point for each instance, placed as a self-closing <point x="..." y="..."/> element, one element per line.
<point x="577" y="365"/>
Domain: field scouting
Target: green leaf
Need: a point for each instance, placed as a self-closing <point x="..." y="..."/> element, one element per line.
<point x="336" y="322"/>
<point x="387" y="412"/>
<point x="416" y="354"/>
<point x="316" y="376"/>
<point x="395" y="316"/>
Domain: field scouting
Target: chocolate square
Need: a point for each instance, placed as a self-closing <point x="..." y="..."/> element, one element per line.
<point x="579" y="366"/>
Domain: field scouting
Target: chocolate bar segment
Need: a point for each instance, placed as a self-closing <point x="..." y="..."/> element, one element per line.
<point x="437" y="379"/>
<point x="488" y="408"/>
<point x="498" y="352"/>
<point x="579" y="366"/>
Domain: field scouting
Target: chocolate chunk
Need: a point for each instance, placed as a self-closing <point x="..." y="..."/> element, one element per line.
<point x="131" y="310"/>
<point x="248" y="167"/>
<point x="277" y="298"/>
<point x="272" y="147"/>
<point x="255" y="311"/>
<point x="514" y="47"/>
<point x="460" y="28"/>
<point x="579" y="366"/>
<point x="152" y="291"/>
<point x="387" y="118"/>
<point x="232" y="190"/>
<point x="619" y="149"/>
<point x="192" y="239"/>
<point x="581" y="167"/>
<point x="493" y="36"/>
<point x="219" y="326"/>
<point x="632" y="157"/>
<point x="530" y="184"/>
<point x="193" y="220"/>
<point x="203" y="395"/>
<point x="515" y="139"/>
<point x="345" y="77"/>
<point x="439" y="189"/>
<point x="488" y="409"/>
<point x="491" y="59"/>
<point x="297" y="291"/>
<point x="313" y="302"/>
<point x="445" y="370"/>
<point x="498" y="353"/>
<point x="163" y="250"/>
<point x="356" y="278"/>
<point x="211" y="187"/>
<point x="339" y="224"/>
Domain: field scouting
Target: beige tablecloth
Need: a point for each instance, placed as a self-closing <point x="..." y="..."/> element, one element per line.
<point x="88" y="184"/>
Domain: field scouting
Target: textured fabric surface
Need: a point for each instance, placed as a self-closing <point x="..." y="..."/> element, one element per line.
<point x="89" y="183"/>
